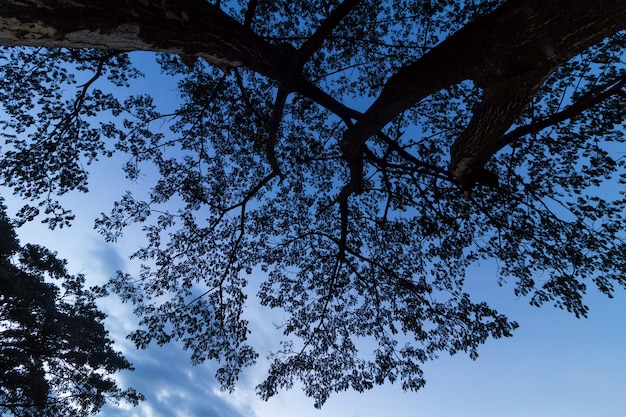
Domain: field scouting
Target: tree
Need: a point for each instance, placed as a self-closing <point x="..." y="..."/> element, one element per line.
<point x="57" y="359"/>
<point x="359" y="221"/>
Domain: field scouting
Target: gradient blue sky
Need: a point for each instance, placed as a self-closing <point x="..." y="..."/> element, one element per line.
<point x="555" y="365"/>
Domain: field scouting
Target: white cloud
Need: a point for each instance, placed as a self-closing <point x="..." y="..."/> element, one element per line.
<point x="172" y="386"/>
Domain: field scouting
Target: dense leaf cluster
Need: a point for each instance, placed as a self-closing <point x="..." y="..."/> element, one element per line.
<point x="57" y="359"/>
<point x="251" y="180"/>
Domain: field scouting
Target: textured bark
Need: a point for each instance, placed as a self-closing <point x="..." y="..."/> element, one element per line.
<point x="190" y="27"/>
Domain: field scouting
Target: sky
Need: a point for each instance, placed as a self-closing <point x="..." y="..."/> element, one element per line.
<point x="554" y="365"/>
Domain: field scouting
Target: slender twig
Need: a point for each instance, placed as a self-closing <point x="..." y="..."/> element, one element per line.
<point x="586" y="102"/>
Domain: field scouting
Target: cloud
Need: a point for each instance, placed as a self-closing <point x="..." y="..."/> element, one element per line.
<point x="163" y="374"/>
<point x="105" y="258"/>
<point x="172" y="387"/>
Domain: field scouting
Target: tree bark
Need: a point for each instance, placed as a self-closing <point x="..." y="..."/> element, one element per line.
<point x="189" y="27"/>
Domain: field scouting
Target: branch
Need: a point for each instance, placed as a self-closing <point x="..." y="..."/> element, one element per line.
<point x="522" y="40"/>
<point x="80" y="99"/>
<point x="189" y="27"/>
<point x="319" y="96"/>
<point x="344" y="212"/>
<point x="484" y="136"/>
<point x="316" y="40"/>
<point x="394" y="146"/>
<point x="500" y="107"/>
<point x="277" y="115"/>
<point x="586" y="102"/>
<point x="252" y="5"/>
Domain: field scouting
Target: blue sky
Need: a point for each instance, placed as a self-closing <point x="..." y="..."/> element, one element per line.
<point x="554" y="365"/>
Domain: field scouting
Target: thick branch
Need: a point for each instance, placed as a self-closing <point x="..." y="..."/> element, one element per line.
<point x="518" y="45"/>
<point x="183" y="27"/>
<point x="499" y="108"/>
<point x="277" y="115"/>
<point x="484" y="136"/>
<point x="190" y="27"/>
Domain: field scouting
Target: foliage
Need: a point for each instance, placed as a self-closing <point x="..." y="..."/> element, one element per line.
<point x="255" y="177"/>
<point x="57" y="359"/>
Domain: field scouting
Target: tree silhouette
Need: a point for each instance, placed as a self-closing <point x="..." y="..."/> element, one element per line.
<point x="56" y="356"/>
<point x="359" y="155"/>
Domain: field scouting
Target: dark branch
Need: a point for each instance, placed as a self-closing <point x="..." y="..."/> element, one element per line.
<point x="252" y="5"/>
<point x="586" y="102"/>
<point x="277" y="115"/>
<point x="500" y="107"/>
<point x="394" y="146"/>
<point x="522" y="39"/>
<point x="319" y="96"/>
<point x="321" y="34"/>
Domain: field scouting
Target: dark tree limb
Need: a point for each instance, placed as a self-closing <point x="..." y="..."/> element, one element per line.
<point x="519" y="45"/>
<point x="190" y="27"/>
<point x="407" y="156"/>
<point x="252" y="5"/>
<point x="501" y="105"/>
<point x="277" y="116"/>
<point x="314" y="42"/>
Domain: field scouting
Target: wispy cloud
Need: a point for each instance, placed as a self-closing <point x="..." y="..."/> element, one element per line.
<point x="172" y="387"/>
<point x="105" y="258"/>
<point x="164" y="375"/>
